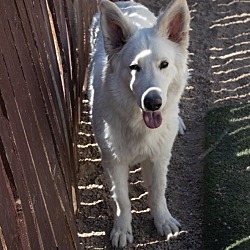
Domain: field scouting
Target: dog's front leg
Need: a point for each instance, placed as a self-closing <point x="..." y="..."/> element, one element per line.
<point x="117" y="174"/>
<point x="155" y="176"/>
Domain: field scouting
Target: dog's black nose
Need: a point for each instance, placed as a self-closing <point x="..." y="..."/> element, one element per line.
<point x="152" y="101"/>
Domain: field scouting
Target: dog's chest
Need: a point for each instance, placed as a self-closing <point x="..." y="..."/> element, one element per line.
<point x="135" y="148"/>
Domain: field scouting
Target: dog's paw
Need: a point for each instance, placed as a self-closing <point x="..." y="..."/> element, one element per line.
<point x="120" y="236"/>
<point x="168" y="227"/>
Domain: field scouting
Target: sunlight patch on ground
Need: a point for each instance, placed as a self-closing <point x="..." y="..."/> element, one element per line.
<point x="242" y="52"/>
<point x="240" y="130"/>
<point x="231" y="90"/>
<point x="148" y="244"/>
<point x="91" y="203"/>
<point x="238" y="243"/>
<point x="90" y="160"/>
<point x="91" y="186"/>
<point x="140" y="211"/>
<point x="91" y="234"/>
<point x="230" y="70"/>
<point x="243" y="153"/>
<point x="85" y="134"/>
<point x="135" y="171"/>
<point x="137" y="182"/>
<point x="232" y="97"/>
<point x="236" y="78"/>
<point x="232" y="60"/>
<point x="140" y="196"/>
<point x="233" y="2"/>
<point x="240" y="119"/>
<point x="232" y="17"/>
<point x="87" y="145"/>
<point x="86" y="123"/>
<point x="235" y="37"/>
<point x="230" y="23"/>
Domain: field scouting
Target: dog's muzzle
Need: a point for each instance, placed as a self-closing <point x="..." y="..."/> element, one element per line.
<point x="151" y="103"/>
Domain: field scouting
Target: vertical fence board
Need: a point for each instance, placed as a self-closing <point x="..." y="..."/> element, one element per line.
<point x="9" y="228"/>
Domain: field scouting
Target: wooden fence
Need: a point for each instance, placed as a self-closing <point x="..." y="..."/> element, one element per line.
<point x="44" y="52"/>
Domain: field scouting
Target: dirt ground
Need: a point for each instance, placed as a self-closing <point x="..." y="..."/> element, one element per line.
<point x="219" y="64"/>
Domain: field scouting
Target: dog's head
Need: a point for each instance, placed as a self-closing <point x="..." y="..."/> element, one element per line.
<point x="150" y="61"/>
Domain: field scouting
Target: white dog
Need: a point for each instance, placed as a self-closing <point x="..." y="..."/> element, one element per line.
<point x="138" y="71"/>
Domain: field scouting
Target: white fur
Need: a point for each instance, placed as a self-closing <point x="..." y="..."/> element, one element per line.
<point x="127" y="35"/>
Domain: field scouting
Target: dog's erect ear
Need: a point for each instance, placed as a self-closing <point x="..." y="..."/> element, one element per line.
<point x="116" y="28"/>
<point x="174" y="22"/>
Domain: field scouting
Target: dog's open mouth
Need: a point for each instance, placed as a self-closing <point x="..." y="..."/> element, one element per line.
<point x="152" y="119"/>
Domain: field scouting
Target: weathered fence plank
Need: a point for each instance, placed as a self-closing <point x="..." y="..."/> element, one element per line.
<point x="43" y="59"/>
<point x="8" y="209"/>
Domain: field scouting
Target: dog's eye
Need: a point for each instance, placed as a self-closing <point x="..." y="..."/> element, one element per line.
<point x="135" y="67"/>
<point x="163" y="65"/>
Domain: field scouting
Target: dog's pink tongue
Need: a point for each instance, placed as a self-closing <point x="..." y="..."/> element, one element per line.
<point x="152" y="119"/>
